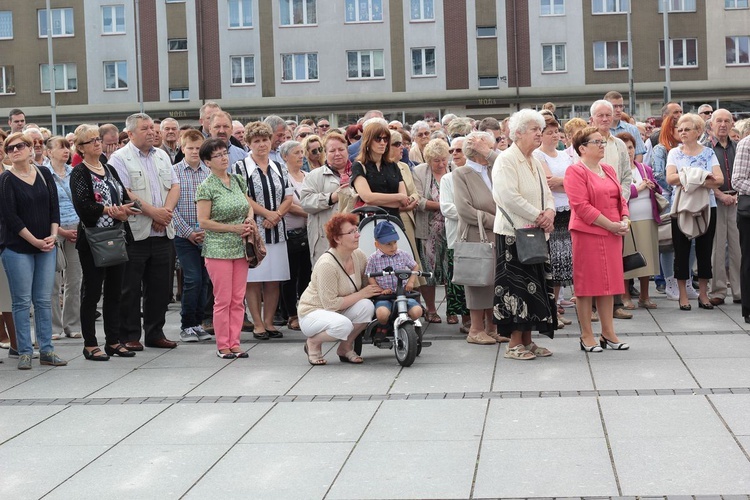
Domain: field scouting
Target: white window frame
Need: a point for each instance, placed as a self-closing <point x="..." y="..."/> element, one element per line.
<point x="243" y="66"/>
<point x="735" y="40"/>
<point x="683" y="6"/>
<point x="371" y="54"/>
<point x="241" y="17"/>
<point x="620" y="66"/>
<point x="423" y="51"/>
<point x="169" y="45"/>
<point x="66" y="67"/>
<point x="551" y="5"/>
<point x="684" y="51"/>
<point x="419" y="16"/>
<point x="348" y="4"/>
<point x="7" y="87"/>
<point x="307" y="70"/>
<point x="11" y="25"/>
<point x="554" y="47"/>
<point x="183" y="91"/>
<point x="63" y="22"/>
<point x="734" y="4"/>
<point x="493" y="35"/>
<point x="305" y="14"/>
<point x="113" y="15"/>
<point x="118" y="69"/>
<point x="493" y="86"/>
<point x="620" y="8"/>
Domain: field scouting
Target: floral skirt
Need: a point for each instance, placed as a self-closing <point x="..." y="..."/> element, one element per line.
<point x="561" y="250"/>
<point x="523" y="293"/>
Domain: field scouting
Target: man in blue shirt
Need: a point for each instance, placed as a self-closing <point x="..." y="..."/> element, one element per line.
<point x="619" y="125"/>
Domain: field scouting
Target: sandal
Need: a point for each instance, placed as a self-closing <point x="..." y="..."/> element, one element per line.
<point x="351" y="357"/>
<point x="293" y="324"/>
<point x="315" y="358"/>
<point x="434" y="317"/>
<point x="560" y="309"/>
<point x="628" y="305"/>
<point x="539" y="352"/>
<point x="452" y="319"/>
<point x="646" y="304"/>
<point x="564" y="321"/>
<point x="519" y="352"/>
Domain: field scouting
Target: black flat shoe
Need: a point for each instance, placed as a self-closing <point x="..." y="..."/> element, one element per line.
<point x="261" y="336"/>
<point x="274" y="334"/>
<point x="686" y="307"/>
<point x="119" y="350"/>
<point x="707" y="305"/>
<point x="94" y="355"/>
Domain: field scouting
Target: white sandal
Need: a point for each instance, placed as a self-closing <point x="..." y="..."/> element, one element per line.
<point x="519" y="352"/>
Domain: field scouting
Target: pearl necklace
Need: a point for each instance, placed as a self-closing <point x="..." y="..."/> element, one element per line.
<point x="92" y="167"/>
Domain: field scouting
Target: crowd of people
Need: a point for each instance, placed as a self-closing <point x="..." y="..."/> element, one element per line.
<point x="604" y="193"/>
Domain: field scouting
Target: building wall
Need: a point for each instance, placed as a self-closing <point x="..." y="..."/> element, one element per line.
<point x="558" y="29"/>
<point x="424" y="34"/>
<point x="722" y="23"/>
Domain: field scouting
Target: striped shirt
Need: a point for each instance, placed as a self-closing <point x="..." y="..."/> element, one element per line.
<point x="185" y="215"/>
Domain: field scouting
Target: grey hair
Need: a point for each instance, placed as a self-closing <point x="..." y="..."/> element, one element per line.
<point x="396" y="136"/>
<point x="459" y="127"/>
<point x="601" y="102"/>
<point x="472" y="138"/>
<point x="519" y="121"/>
<point x="419" y="125"/>
<point x="131" y="122"/>
<point x="208" y="104"/>
<point x="287" y="147"/>
<point x="170" y="119"/>
<point x="374" y="120"/>
<point x="447" y="119"/>
<point x="33" y="130"/>
<point x="274" y="122"/>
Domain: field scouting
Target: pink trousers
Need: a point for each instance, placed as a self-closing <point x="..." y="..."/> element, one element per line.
<point x="229" y="278"/>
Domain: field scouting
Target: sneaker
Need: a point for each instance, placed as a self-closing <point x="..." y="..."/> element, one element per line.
<point x="661" y="288"/>
<point x="24" y="362"/>
<point x="201" y="333"/>
<point x="12" y="353"/>
<point x="691" y="292"/>
<point x="188" y="335"/>
<point x="51" y="359"/>
<point x="672" y="292"/>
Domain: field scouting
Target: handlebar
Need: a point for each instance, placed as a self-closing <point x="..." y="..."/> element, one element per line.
<point x="391" y="272"/>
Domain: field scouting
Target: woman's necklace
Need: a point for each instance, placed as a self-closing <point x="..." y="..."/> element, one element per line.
<point x="25" y="175"/>
<point x="97" y="168"/>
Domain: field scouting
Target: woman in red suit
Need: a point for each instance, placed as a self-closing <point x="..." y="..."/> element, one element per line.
<point x="598" y="221"/>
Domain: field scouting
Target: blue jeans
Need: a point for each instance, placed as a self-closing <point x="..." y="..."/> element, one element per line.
<point x="31" y="277"/>
<point x="195" y="282"/>
<point x="390" y="303"/>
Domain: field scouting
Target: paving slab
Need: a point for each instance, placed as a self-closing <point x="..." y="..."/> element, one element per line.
<point x="573" y="418"/>
<point x="65" y="383"/>
<point x="250" y="379"/>
<point x="613" y="370"/>
<point x="374" y="376"/>
<point x="673" y="319"/>
<point x="734" y="410"/>
<point x="156" y="382"/>
<point x="695" y="346"/>
<point x="447" y="377"/>
<point x="720" y="372"/>
<point x="17" y="419"/>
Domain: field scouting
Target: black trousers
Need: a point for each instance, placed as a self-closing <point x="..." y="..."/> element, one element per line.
<point x="300" y="269"/>
<point x="91" y="291"/>
<point x="743" y="225"/>
<point x="148" y="270"/>
<point x="703" y="248"/>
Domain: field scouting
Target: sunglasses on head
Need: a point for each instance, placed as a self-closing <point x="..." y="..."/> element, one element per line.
<point x="19" y="146"/>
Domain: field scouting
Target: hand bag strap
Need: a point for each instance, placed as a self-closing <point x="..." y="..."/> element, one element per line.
<point x="632" y="236"/>
<point x="342" y="268"/>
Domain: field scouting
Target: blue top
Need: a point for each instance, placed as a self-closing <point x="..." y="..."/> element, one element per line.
<point x="705" y="160"/>
<point x="68" y="215"/>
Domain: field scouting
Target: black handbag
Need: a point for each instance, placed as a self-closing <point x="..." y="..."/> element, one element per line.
<point x="634" y="260"/>
<point x="296" y="241"/>
<point x="107" y="244"/>
<point x="531" y="243"/>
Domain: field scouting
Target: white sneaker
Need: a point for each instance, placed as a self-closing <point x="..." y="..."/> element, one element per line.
<point x="672" y="292"/>
<point x="691" y="292"/>
<point x="201" y="333"/>
<point x="188" y="335"/>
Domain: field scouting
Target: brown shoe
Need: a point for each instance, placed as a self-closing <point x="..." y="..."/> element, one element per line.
<point x="480" y="338"/>
<point x="133" y="346"/>
<point x="498" y="338"/>
<point x="717" y="301"/>
<point x="161" y="344"/>
<point x="247" y="326"/>
<point x="619" y="313"/>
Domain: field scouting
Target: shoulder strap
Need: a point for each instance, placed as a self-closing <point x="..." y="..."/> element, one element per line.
<point x="39" y="172"/>
<point x="342" y="268"/>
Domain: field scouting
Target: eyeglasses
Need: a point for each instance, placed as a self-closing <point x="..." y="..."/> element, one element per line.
<point x="358" y="136"/>
<point x="323" y="125"/>
<point x="501" y="139"/>
<point x="94" y="141"/>
<point x="38" y="142"/>
<point x="303" y="134"/>
<point x="382" y="138"/>
<point x="423" y="134"/>
<point x="19" y="146"/>
<point x="684" y="129"/>
<point x="397" y="144"/>
<point x="455" y="150"/>
<point x="353" y="231"/>
<point x="317" y="150"/>
<point x="220" y="155"/>
<point x="706" y="112"/>
<point x="597" y="142"/>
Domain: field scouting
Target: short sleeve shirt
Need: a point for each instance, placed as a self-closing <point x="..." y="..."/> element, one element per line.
<point x="384" y="181"/>
<point x="228" y="206"/>
<point x="398" y="261"/>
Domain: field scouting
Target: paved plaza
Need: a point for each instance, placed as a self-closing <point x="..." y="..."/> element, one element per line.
<point x="669" y="417"/>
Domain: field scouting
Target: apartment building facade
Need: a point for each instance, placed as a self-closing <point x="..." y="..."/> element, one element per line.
<point x="338" y="58"/>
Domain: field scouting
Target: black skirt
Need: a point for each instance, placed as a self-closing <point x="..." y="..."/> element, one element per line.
<point x="523" y="293"/>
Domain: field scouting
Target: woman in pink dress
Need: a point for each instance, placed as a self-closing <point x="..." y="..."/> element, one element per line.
<point x="598" y="221"/>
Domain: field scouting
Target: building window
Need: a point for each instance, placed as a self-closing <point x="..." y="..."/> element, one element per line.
<point x="65" y="77"/>
<point x="678" y="5"/>
<point x="364" y="11"/>
<point x="298" y="12"/>
<point x="488" y="82"/>
<point x="243" y="70"/>
<point x="115" y="75"/>
<point x="113" y="19"/>
<point x="62" y="22"/>
<point x="179" y="94"/>
<point x="610" y="6"/>
<point x="553" y="58"/>
<point x="240" y="13"/>
<point x="738" y="48"/>
<point x="487" y="32"/>
<point x="6" y="24"/>
<point x="6" y="80"/>
<point x="423" y="62"/>
<point x="299" y="67"/>
<point x="177" y="44"/>
<point x="611" y="55"/>
<point x="422" y="10"/>
<point x="684" y="53"/>
<point x="363" y="64"/>
<point x="735" y="4"/>
<point x="553" y="7"/>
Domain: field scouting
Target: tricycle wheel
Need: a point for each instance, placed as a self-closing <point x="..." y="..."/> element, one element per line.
<point x="405" y="344"/>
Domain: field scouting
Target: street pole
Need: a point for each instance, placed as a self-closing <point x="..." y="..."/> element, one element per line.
<point x="139" y="65"/>
<point x="667" y="53"/>
<point x="631" y="98"/>
<point x="51" y="68"/>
